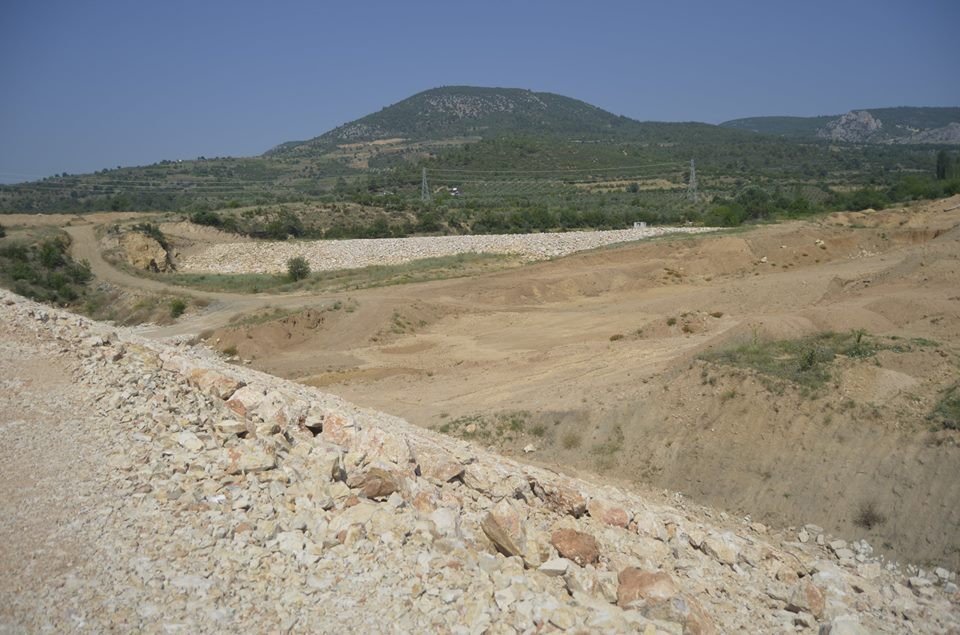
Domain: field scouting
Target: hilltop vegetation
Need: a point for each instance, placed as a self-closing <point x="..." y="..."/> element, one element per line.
<point x="466" y="111"/>
<point x="514" y="160"/>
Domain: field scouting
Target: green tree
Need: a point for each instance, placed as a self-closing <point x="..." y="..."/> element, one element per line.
<point x="944" y="166"/>
<point x="298" y="268"/>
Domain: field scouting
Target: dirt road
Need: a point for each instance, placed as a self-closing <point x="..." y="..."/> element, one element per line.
<point x="222" y="306"/>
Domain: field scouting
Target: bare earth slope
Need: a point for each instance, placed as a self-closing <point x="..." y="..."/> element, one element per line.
<point x="153" y="488"/>
<point x="592" y="361"/>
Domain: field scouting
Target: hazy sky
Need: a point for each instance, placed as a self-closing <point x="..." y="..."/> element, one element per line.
<point x="94" y="84"/>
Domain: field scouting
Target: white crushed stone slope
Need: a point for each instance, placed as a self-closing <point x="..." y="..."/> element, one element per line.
<point x="327" y="255"/>
<point x="155" y="488"/>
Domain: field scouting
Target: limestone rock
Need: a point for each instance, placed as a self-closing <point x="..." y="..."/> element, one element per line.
<point x="721" y="547"/>
<point x="189" y="440"/>
<point x="505" y="527"/>
<point x="339" y="429"/>
<point x="439" y="467"/>
<point x="684" y="610"/>
<point x="559" y="498"/>
<point x="230" y="427"/>
<point x="844" y="625"/>
<point x="555" y="567"/>
<point x="249" y="456"/>
<point x="806" y="596"/>
<point x="245" y="399"/>
<point x="636" y="584"/>
<point x="215" y="384"/>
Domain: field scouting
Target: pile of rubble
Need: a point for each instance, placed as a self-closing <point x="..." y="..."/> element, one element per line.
<point x="209" y="497"/>
<point x="327" y="255"/>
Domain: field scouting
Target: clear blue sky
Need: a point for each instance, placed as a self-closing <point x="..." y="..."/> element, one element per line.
<point x="94" y="84"/>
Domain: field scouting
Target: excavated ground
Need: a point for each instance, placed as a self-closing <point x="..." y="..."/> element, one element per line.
<point x="592" y="362"/>
<point x="158" y="489"/>
<point x="153" y="488"/>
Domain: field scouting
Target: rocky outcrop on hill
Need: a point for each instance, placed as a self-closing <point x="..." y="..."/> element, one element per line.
<point x="949" y="134"/>
<point x="208" y="497"/>
<point x="857" y="126"/>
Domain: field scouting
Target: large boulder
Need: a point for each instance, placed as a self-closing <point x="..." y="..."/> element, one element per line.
<point x="144" y="252"/>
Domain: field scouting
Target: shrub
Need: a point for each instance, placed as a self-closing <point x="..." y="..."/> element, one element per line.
<point x="3" y="231"/>
<point x="570" y="441"/>
<point x="152" y="231"/>
<point x="206" y="217"/>
<point x="298" y="268"/>
<point x="177" y="307"/>
<point x="869" y="516"/>
<point x="947" y="411"/>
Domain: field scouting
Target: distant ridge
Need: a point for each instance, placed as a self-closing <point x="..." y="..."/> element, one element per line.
<point x="470" y="111"/>
<point x="904" y="124"/>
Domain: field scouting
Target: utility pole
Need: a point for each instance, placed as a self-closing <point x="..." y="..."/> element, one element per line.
<point x="424" y="188"/>
<point x="692" y="185"/>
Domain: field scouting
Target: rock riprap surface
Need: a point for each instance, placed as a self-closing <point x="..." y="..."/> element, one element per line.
<point x="152" y="487"/>
<point x="328" y="255"/>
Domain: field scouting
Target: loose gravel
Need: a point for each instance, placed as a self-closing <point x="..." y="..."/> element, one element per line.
<point x="329" y="255"/>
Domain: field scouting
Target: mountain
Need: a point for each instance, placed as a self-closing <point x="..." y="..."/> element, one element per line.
<point x="452" y="112"/>
<point x="874" y="125"/>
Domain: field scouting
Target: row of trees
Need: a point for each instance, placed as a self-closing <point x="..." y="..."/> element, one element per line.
<point x="947" y="166"/>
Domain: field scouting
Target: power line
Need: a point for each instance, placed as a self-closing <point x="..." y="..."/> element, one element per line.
<point x="692" y="187"/>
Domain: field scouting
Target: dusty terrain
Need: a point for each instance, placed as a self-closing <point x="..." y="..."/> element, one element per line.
<point x="591" y="366"/>
<point x="154" y="488"/>
<point x="592" y="361"/>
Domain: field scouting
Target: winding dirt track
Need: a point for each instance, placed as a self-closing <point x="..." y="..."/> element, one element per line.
<point x="223" y="306"/>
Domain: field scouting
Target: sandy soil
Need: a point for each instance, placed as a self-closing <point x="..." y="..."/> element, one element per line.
<point x="594" y="356"/>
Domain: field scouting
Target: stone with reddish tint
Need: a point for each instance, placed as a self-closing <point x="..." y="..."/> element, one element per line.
<point x="379" y="483"/>
<point x="384" y="445"/>
<point x="213" y="383"/>
<point x="806" y="596"/>
<point x="339" y="429"/>
<point x="651" y="586"/>
<point x="608" y="513"/>
<point x="683" y="609"/>
<point x="439" y="467"/>
<point x="245" y="399"/>
<point x="576" y="546"/>
<point x="249" y="457"/>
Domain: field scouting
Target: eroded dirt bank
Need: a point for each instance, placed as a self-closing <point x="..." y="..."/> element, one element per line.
<point x="592" y="363"/>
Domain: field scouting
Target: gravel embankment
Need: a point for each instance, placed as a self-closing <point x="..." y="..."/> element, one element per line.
<point x="154" y="488"/>
<point x="327" y="255"/>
